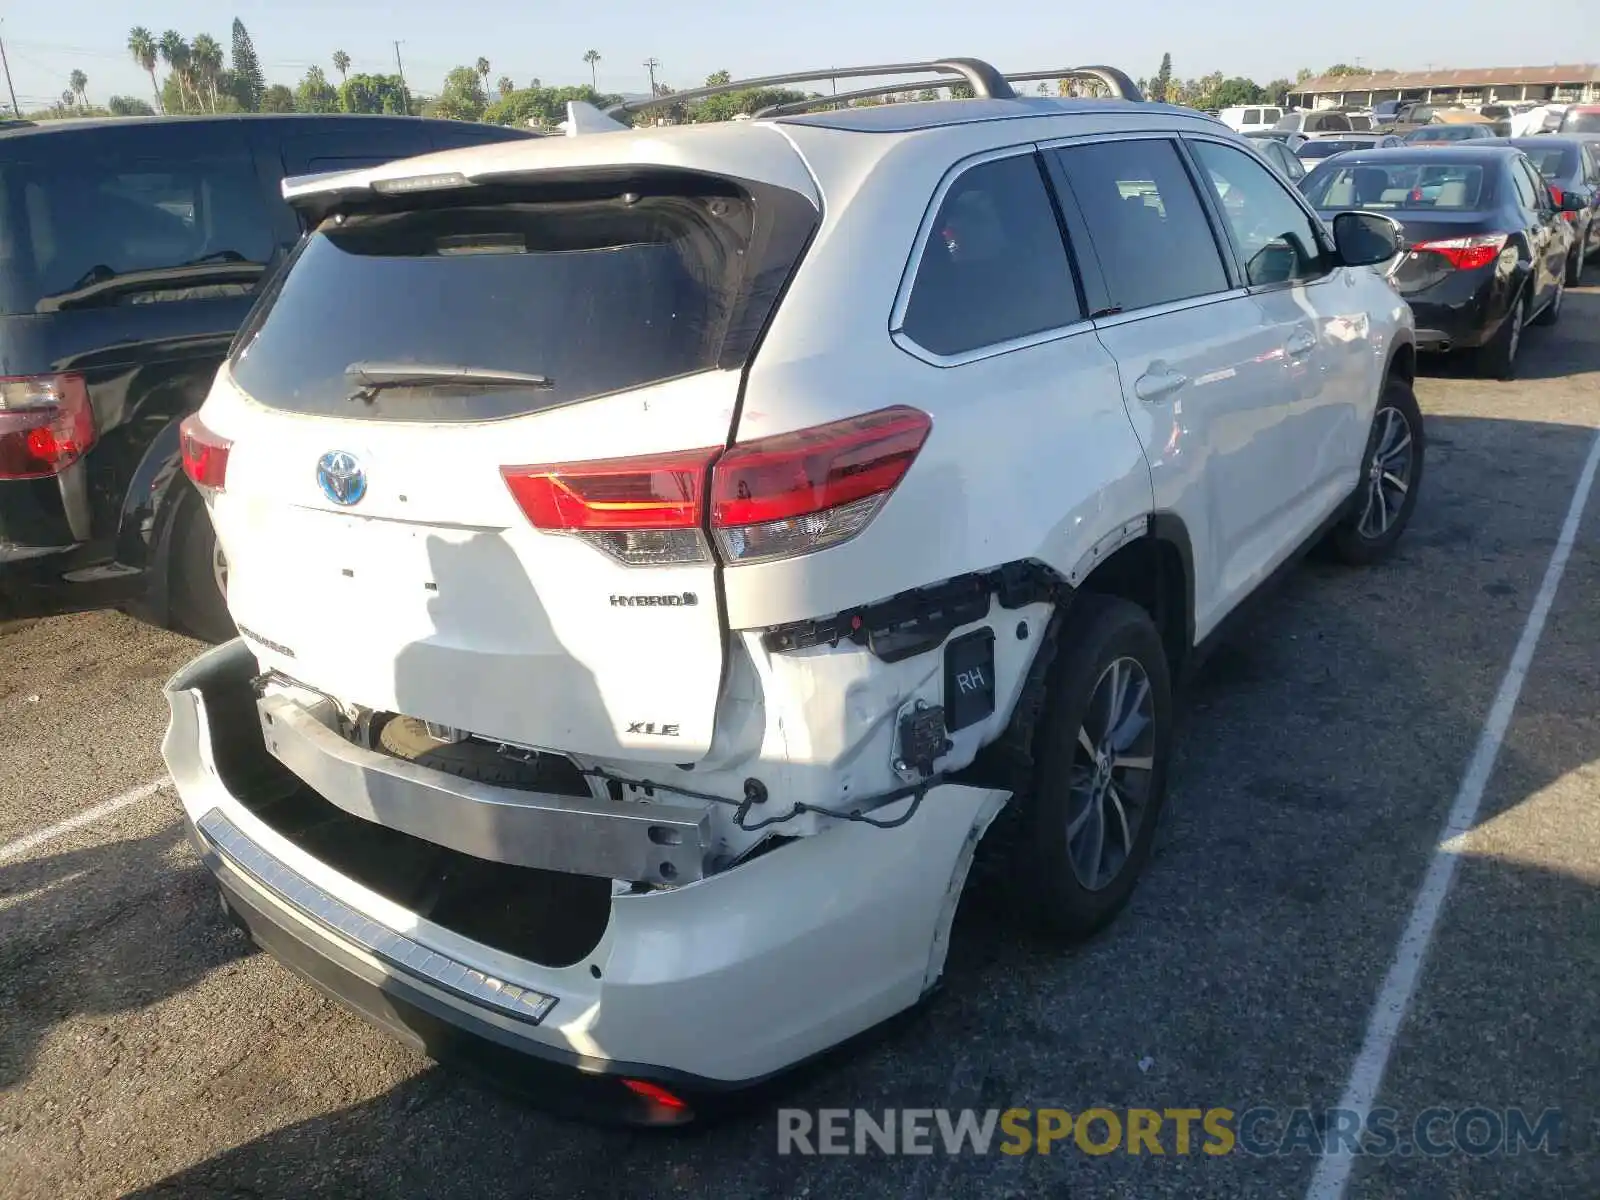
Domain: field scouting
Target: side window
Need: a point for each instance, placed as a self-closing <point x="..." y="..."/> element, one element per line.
<point x="1276" y="237"/>
<point x="1252" y="116"/>
<point x="1526" y="196"/>
<point x="995" y="266"/>
<point x="1541" y="190"/>
<point x="92" y="225"/>
<point x="1149" y="230"/>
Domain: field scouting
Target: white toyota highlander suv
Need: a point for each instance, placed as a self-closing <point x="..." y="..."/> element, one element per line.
<point x="660" y="554"/>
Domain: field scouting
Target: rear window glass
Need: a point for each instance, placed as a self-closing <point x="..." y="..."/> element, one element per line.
<point x="1581" y="122"/>
<point x="591" y="296"/>
<point x="77" y="234"/>
<point x="1411" y="186"/>
<point x="1328" y="147"/>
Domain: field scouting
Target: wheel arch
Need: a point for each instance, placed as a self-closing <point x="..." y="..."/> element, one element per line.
<point x="1156" y="572"/>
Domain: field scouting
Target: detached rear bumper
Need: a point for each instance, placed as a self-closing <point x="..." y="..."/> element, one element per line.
<point x="717" y="984"/>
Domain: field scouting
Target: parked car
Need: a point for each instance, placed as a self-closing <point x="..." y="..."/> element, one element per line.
<point x="1571" y="166"/>
<point x="1250" y="118"/>
<point x="1536" y="119"/>
<point x="1500" y="116"/>
<point x="1486" y="247"/>
<point x="1314" y="121"/>
<point x="1580" y="118"/>
<point x="1274" y="146"/>
<point x="1312" y="151"/>
<point x="130" y="251"/>
<point x="1402" y="116"/>
<point x="637" y="642"/>
<point x="1436" y="134"/>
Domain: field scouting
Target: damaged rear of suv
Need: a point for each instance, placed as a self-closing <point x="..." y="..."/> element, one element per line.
<point x="648" y="598"/>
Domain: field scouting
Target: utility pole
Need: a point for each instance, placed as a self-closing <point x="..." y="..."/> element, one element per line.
<point x="15" y="111"/>
<point x="650" y="64"/>
<point x="405" y="92"/>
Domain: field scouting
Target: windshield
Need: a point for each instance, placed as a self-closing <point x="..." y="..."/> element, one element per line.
<point x="573" y="299"/>
<point x="1446" y="133"/>
<point x="1414" y="186"/>
<point x="1386" y="108"/>
<point x="1581" y="122"/>
<point x="76" y="233"/>
<point x="1328" y="147"/>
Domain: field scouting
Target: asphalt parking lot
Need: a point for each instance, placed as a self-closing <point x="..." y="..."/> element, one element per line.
<point x="144" y="1049"/>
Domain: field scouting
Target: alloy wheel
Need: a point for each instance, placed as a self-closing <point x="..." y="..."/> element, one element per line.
<point x="1388" y="474"/>
<point x="1112" y="769"/>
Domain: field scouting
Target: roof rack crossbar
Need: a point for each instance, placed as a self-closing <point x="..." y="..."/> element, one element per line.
<point x="1118" y="82"/>
<point x="985" y="81"/>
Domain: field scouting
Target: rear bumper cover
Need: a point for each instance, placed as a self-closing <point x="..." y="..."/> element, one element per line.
<point x="725" y="981"/>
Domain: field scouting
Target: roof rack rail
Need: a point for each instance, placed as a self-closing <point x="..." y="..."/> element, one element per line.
<point x="1120" y="86"/>
<point x="985" y="81"/>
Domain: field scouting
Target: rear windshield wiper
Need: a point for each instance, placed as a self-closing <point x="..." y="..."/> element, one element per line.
<point x="367" y="379"/>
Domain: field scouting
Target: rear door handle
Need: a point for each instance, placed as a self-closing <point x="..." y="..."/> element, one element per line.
<point x="1300" y="344"/>
<point x="1156" y="384"/>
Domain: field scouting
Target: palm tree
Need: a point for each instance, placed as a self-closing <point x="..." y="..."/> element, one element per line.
<point x="80" y="82"/>
<point x="505" y="86"/>
<point x="175" y="53"/>
<point x="482" y="67"/>
<point x="341" y="64"/>
<point x="142" y="45"/>
<point x="591" y="57"/>
<point x="205" y="56"/>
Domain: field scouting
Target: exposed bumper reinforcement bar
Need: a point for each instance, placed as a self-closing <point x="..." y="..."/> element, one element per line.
<point x="579" y="835"/>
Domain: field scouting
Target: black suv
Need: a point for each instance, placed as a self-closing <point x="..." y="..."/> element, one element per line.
<point x="130" y="252"/>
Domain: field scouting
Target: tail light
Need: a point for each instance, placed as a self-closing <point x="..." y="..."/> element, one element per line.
<point x="205" y="455"/>
<point x="1466" y="253"/>
<point x="46" y="424"/>
<point x="772" y="498"/>
<point x="805" y="491"/>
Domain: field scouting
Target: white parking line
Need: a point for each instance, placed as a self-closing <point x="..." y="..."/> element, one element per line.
<point x="1388" y="1013"/>
<point x="88" y="816"/>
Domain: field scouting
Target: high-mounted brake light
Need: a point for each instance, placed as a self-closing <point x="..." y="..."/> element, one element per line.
<point x="766" y="499"/>
<point x="643" y="511"/>
<point x="205" y="454"/>
<point x="1466" y="253"/>
<point x="814" y="488"/>
<point x="46" y="424"/>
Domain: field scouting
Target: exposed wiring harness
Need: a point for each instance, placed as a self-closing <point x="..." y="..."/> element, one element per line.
<point x="755" y="793"/>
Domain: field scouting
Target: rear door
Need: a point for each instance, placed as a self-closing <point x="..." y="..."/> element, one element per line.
<point x="521" y="557"/>
<point x="1547" y="241"/>
<point x="1202" y="371"/>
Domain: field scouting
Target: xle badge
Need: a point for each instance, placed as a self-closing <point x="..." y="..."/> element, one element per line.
<point x="651" y="729"/>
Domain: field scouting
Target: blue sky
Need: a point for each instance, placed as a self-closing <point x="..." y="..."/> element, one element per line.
<point x="47" y="39"/>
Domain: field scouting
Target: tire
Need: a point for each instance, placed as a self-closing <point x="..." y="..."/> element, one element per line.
<point x="408" y="738"/>
<point x="1577" y="262"/>
<point x="1497" y="359"/>
<point x="1054" y="888"/>
<point x="198" y="575"/>
<point x="1552" y="311"/>
<point x="1363" y="537"/>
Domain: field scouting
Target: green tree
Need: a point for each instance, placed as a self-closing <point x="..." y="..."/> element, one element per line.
<point x="277" y="99"/>
<point x="205" y="58"/>
<point x="249" y="84"/>
<point x="80" y="86"/>
<point x="504" y="86"/>
<point x="719" y="78"/>
<point x="1277" y="92"/>
<point x="592" y="57"/>
<point x="1236" y="91"/>
<point x="461" y="98"/>
<point x="127" y="106"/>
<point x="482" y="67"/>
<point x="1343" y="69"/>
<point x="341" y="64"/>
<point x="732" y="104"/>
<point x="175" y="53"/>
<point x="1161" y="86"/>
<point x="315" y="94"/>
<point x="541" y="106"/>
<point x="1303" y="74"/>
<point x="373" y="94"/>
<point x="142" y="45"/>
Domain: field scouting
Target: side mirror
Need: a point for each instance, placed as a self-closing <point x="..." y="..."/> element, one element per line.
<point x="1366" y="239"/>
<point x="1570" y="202"/>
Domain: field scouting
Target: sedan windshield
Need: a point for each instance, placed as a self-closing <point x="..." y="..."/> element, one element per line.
<point x="1414" y="186"/>
<point x="1587" y="121"/>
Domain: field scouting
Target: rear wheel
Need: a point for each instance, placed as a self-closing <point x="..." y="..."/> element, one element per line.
<point x="1101" y="765"/>
<point x="1497" y="359"/>
<point x="199" y="579"/>
<point x="1391" y="475"/>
